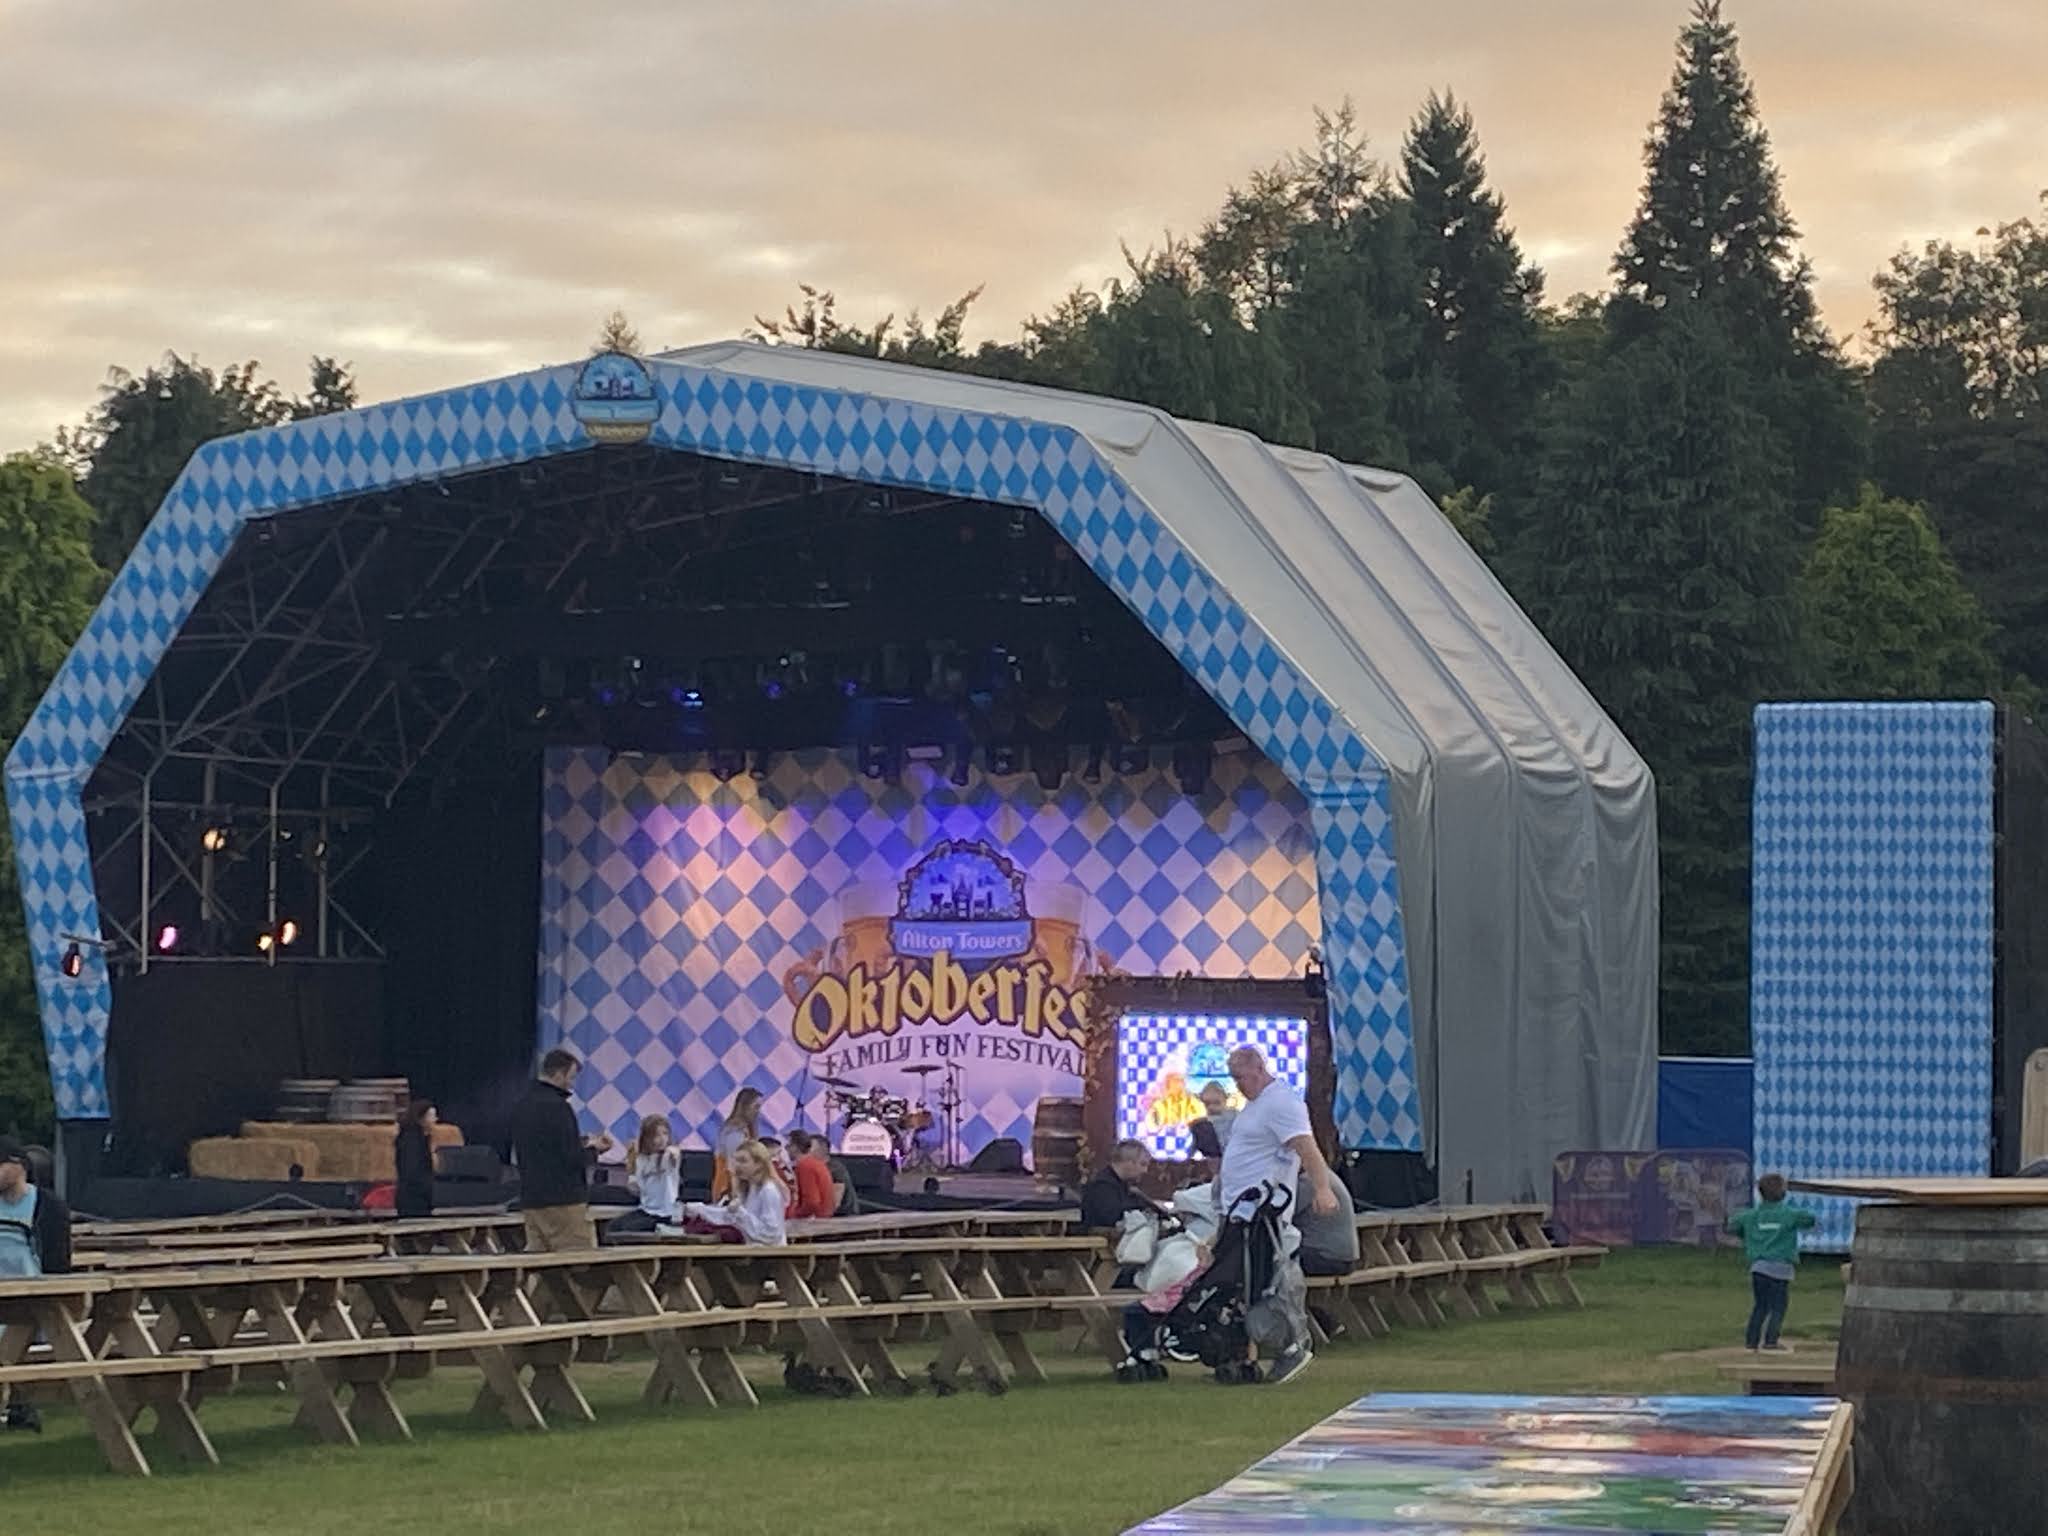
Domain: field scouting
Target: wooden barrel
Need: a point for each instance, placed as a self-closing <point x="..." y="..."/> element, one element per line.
<point x="304" y="1099"/>
<point x="363" y="1102"/>
<point x="1056" y="1141"/>
<point x="1945" y="1354"/>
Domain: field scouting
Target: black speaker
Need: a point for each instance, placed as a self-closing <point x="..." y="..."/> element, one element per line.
<point x="1003" y="1155"/>
<point x="471" y="1164"/>
<point x="870" y="1175"/>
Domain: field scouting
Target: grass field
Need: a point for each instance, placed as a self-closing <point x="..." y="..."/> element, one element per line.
<point x="1077" y="1457"/>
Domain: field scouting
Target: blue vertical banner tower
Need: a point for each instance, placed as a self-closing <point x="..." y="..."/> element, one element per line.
<point x="1872" y="943"/>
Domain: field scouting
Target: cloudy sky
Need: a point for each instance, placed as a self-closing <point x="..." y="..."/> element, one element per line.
<point x="445" y="191"/>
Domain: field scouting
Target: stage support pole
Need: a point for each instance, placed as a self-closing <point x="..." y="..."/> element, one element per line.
<point x="320" y="865"/>
<point x="146" y="941"/>
<point x="270" y="899"/>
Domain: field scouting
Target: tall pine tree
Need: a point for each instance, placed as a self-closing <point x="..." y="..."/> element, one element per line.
<point x="1713" y="228"/>
<point x="1480" y="308"/>
<point x="1659" y="559"/>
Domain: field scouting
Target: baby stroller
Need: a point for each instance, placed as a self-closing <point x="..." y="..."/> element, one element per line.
<point x="1232" y="1303"/>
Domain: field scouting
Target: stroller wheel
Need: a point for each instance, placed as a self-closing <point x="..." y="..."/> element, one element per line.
<point x="1237" y="1373"/>
<point x="1153" y="1370"/>
<point x="1130" y="1373"/>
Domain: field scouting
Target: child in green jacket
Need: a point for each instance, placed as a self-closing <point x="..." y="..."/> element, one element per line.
<point x="1770" y="1241"/>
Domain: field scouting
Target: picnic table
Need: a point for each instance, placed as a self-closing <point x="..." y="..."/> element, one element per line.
<point x="128" y="1342"/>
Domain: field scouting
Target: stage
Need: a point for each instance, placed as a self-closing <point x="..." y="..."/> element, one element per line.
<point x="746" y="717"/>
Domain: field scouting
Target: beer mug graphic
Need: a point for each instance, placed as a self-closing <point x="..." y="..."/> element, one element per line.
<point x="865" y="912"/>
<point x="1059" y="912"/>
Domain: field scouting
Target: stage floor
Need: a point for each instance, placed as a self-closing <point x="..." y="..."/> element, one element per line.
<point x="1402" y="1464"/>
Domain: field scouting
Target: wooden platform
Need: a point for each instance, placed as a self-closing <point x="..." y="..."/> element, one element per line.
<point x="1436" y="1462"/>
<point x="1800" y="1374"/>
<point x="1932" y="1191"/>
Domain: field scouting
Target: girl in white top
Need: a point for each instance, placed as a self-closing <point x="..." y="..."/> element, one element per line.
<point x="654" y="1169"/>
<point x="755" y="1204"/>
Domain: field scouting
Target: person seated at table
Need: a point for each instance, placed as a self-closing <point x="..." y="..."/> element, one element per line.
<point x="35" y="1239"/>
<point x="1113" y="1191"/>
<point x="752" y="1210"/>
<point x="654" y="1172"/>
<point x="742" y="1125"/>
<point x="779" y="1160"/>
<point x="413" y="1151"/>
<point x="815" y="1195"/>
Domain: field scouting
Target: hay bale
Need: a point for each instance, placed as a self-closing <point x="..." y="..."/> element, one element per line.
<point x="239" y="1157"/>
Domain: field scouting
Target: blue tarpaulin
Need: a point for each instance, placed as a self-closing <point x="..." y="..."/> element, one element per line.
<point x="1704" y="1101"/>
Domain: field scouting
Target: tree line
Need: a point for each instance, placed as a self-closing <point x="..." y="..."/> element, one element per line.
<point x="1702" y="496"/>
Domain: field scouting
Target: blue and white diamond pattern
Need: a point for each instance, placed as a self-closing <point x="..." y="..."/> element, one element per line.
<point x="1871" y="943"/>
<point x="995" y="458"/>
<point x="1148" y="1043"/>
<point x="674" y="904"/>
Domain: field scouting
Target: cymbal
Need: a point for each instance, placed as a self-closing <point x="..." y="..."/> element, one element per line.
<point x="836" y="1082"/>
<point x="921" y="1069"/>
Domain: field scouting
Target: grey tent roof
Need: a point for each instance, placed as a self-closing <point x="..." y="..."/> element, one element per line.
<point x="1525" y="822"/>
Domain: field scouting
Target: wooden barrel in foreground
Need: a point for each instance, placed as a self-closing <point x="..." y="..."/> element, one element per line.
<point x="1056" y="1141"/>
<point x="1945" y="1354"/>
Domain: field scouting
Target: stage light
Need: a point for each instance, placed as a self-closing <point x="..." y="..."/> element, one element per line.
<point x="266" y="941"/>
<point x="287" y="932"/>
<point x="1191" y="766"/>
<point x="167" y="938"/>
<point x="1130" y="758"/>
<point x="74" y="962"/>
<point x="1313" y="980"/>
<point x="692" y="699"/>
<point x="214" y="839"/>
<point x="1002" y="759"/>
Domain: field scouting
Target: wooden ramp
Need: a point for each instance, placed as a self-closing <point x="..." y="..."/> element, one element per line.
<point x="1406" y="1462"/>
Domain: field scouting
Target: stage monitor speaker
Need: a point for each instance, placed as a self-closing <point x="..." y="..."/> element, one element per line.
<point x="1003" y="1155"/>
<point x="870" y="1175"/>
<point x="469" y="1164"/>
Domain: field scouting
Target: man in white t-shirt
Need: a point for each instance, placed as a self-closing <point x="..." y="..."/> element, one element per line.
<point x="1271" y="1142"/>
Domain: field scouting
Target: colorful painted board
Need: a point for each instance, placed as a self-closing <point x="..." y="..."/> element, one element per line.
<point x="1425" y="1464"/>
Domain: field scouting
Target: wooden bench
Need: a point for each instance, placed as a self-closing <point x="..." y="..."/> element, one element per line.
<point x="1793" y="1375"/>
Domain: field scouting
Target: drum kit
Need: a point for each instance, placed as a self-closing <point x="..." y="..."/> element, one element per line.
<point x="876" y="1123"/>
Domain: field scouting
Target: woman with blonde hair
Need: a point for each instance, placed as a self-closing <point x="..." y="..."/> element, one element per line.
<point x="752" y="1210"/>
<point x="742" y="1125"/>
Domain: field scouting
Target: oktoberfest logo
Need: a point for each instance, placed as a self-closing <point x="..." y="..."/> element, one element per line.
<point x="952" y="945"/>
<point x="614" y="398"/>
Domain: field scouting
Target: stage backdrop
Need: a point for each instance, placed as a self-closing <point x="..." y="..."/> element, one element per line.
<point x="700" y="936"/>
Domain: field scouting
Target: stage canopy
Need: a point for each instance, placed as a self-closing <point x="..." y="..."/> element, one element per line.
<point x="298" y="630"/>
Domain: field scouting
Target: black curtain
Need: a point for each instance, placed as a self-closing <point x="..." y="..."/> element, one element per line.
<point x="2020" y="984"/>
<point x="460" y="920"/>
<point x="196" y="1048"/>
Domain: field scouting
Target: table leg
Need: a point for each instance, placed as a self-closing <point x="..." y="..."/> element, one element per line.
<point x="96" y="1404"/>
<point x="502" y="1384"/>
<point x="821" y="1344"/>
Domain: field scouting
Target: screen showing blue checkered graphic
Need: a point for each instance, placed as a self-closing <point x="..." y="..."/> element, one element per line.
<point x="1165" y="1060"/>
<point x="686" y="919"/>
<point x="1871" y="944"/>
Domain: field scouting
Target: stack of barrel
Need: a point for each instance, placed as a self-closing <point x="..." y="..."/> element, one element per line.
<point x="1945" y="1354"/>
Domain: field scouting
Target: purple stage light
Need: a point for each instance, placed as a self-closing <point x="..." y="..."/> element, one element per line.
<point x="167" y="938"/>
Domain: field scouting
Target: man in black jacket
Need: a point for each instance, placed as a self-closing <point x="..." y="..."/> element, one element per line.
<point x="553" y="1164"/>
<point x="1114" y="1189"/>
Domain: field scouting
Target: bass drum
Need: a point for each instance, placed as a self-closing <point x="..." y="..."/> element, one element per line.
<point x="867" y="1138"/>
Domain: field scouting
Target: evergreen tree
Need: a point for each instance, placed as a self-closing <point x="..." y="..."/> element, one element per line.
<point x="1659" y="560"/>
<point x="1480" y="307"/>
<point x="1883" y="613"/>
<point x="617" y="335"/>
<point x="1713" y="227"/>
<point x="48" y="584"/>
